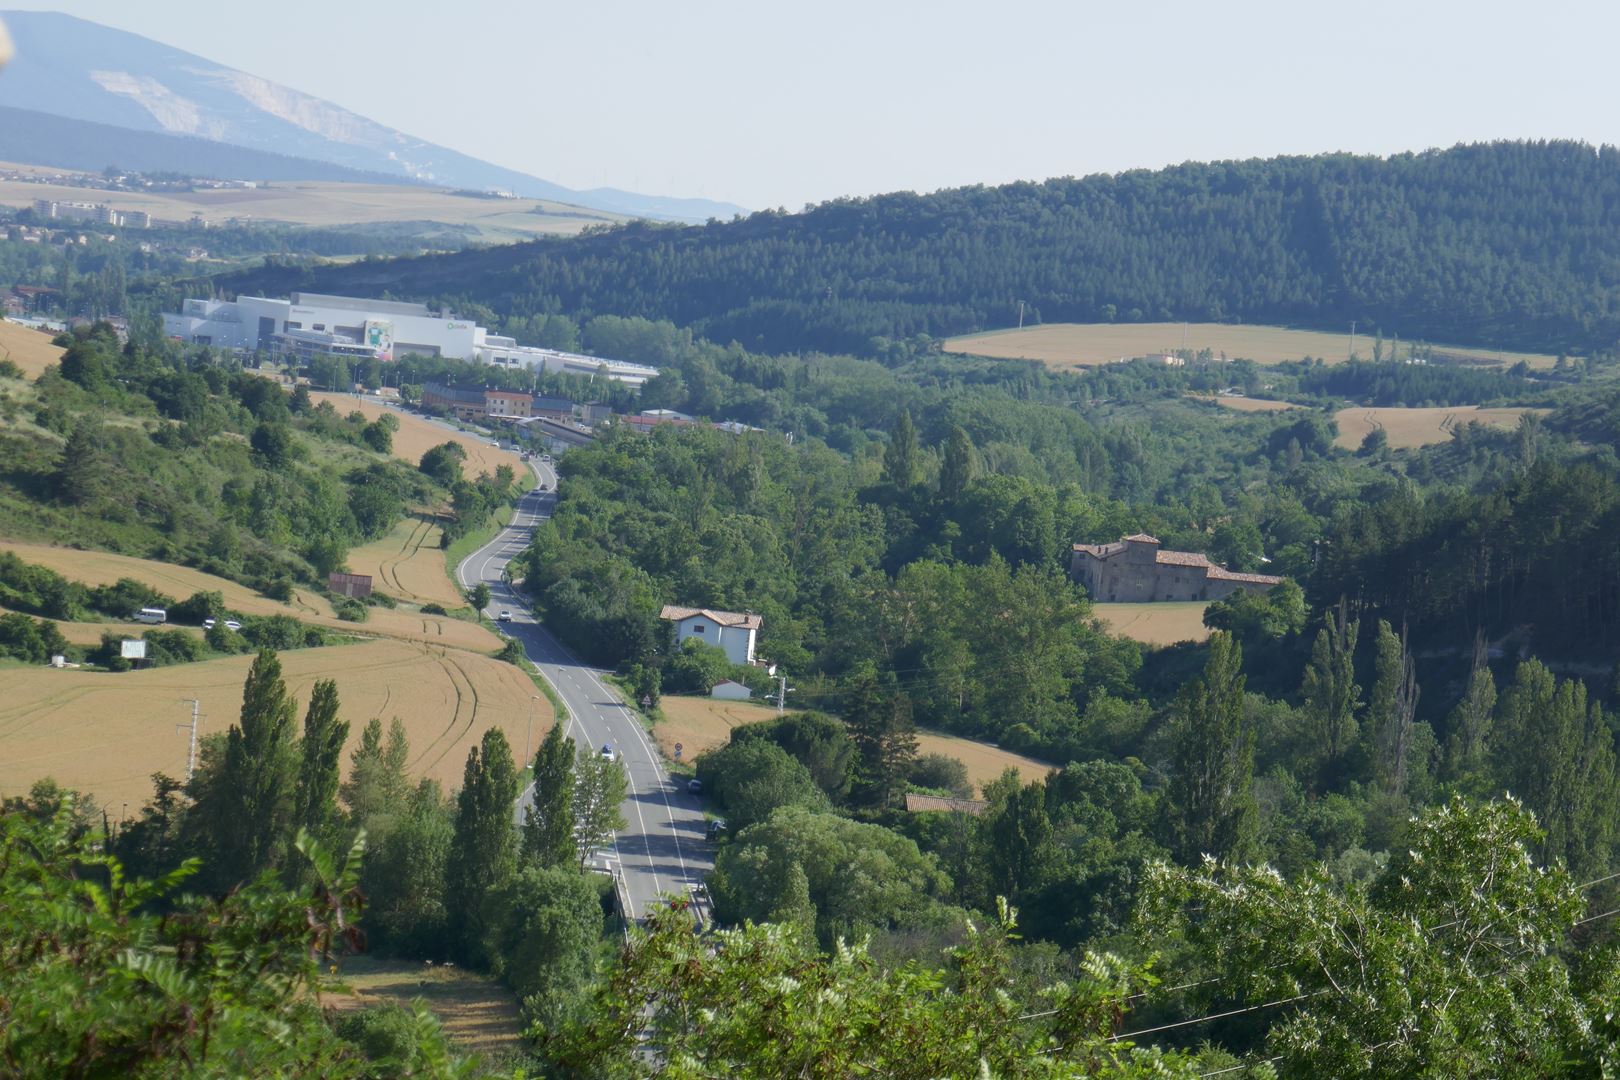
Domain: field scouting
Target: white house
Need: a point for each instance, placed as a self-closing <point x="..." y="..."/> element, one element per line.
<point x="732" y="631"/>
<point x="730" y="690"/>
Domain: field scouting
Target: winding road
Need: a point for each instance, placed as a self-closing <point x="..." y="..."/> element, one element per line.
<point x="662" y="850"/>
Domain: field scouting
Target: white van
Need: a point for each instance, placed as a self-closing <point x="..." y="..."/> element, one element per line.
<point x="151" y="615"/>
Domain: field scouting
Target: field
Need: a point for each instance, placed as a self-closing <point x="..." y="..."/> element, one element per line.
<point x="329" y="203"/>
<point x="1071" y="345"/>
<point x="1406" y="428"/>
<point x="1155" y="624"/>
<point x="103" y="568"/>
<point x="408" y="564"/>
<point x="106" y="733"/>
<point x="477" y="1013"/>
<point x="416" y="436"/>
<point x="1245" y="404"/>
<point x="28" y="348"/>
<point x="701" y="724"/>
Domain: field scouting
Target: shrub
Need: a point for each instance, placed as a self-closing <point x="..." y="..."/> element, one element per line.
<point x="434" y="609"/>
<point x="351" y="610"/>
<point x="940" y="772"/>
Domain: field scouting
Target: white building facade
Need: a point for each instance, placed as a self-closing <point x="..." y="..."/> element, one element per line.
<point x="735" y="632"/>
<point x="313" y="323"/>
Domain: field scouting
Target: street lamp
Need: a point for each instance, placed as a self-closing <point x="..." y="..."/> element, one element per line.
<point x="528" y="739"/>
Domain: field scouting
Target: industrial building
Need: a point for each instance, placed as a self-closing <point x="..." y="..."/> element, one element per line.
<point x="311" y="324"/>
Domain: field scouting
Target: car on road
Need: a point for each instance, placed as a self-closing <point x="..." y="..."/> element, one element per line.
<point x="695" y="786"/>
<point x="609" y="753"/>
<point x="230" y="624"/>
<point x="505" y="616"/>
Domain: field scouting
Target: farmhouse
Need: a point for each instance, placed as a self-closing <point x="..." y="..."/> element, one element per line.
<point x="1136" y="570"/>
<point x="732" y="631"/>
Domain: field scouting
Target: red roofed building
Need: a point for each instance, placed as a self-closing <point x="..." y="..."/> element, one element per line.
<point x="1136" y="570"/>
<point x="733" y="631"/>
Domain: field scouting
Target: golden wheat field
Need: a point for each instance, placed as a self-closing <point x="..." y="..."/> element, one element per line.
<point x="28" y="348"/>
<point x="478" y="1013"/>
<point x="701" y="724"/>
<point x="416" y="436"/>
<point x="408" y="564"/>
<point x="1245" y="404"/>
<point x="105" y="733"/>
<point x="1155" y="624"/>
<point x="104" y="568"/>
<point x="1409" y="427"/>
<point x="1070" y="345"/>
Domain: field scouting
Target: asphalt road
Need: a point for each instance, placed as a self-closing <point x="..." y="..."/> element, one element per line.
<point x="662" y="849"/>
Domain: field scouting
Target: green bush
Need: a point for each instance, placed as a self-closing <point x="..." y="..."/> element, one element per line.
<point x="434" y="609"/>
<point x="351" y="610"/>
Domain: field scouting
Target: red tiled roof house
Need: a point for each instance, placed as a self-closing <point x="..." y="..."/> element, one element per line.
<point x="1136" y="570"/>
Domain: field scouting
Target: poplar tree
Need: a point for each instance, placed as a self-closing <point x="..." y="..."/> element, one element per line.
<point x="900" y="456"/>
<point x="315" y="799"/>
<point x="1330" y="689"/>
<point x="482" y="853"/>
<point x="1392" y="709"/>
<point x="1212" y="761"/>
<point x="956" y="471"/>
<point x="256" y="781"/>
<point x="1470" y="725"/>
<point x="548" y="824"/>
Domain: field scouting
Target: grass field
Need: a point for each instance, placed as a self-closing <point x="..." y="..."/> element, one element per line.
<point x="408" y="564"/>
<point x="1071" y="345"/>
<point x="701" y="724"/>
<point x="103" y="568"/>
<point x="1406" y="428"/>
<point x="106" y="733"/>
<point x="1155" y="624"/>
<point x="416" y="436"/>
<point x="477" y="1012"/>
<point x="28" y="348"/>
<point x="328" y="203"/>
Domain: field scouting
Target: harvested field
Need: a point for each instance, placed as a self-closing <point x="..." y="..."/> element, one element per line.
<point x="103" y="568"/>
<point x="28" y="348"/>
<point x="1406" y="428"/>
<point x="330" y="202"/>
<point x="408" y="564"/>
<point x="1245" y="404"/>
<point x="478" y="1013"/>
<point x="416" y="436"/>
<point x="701" y="724"/>
<point x="1071" y="345"/>
<point x="106" y="733"/>
<point x="1155" y="624"/>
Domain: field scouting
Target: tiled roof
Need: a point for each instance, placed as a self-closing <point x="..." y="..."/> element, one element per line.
<point x="921" y="804"/>
<point x="1214" y="571"/>
<point x="1101" y="551"/>
<point x="1142" y="538"/>
<point x="748" y="621"/>
<point x="1217" y="573"/>
<point x="1182" y="558"/>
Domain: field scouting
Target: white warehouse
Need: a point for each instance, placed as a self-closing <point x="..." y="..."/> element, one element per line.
<point x="312" y="324"/>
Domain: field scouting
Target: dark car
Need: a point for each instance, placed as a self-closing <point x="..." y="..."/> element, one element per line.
<point x="695" y="786"/>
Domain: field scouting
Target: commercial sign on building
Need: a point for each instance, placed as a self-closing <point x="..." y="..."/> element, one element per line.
<point x="380" y="336"/>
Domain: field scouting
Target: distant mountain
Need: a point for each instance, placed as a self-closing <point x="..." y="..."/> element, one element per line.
<point x="85" y="71"/>
<point x="1511" y="244"/>
<point x="37" y="138"/>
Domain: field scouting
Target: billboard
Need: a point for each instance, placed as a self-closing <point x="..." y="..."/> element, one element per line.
<point x="132" y="650"/>
<point x="380" y="338"/>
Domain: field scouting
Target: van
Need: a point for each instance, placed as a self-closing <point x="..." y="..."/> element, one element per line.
<point x="151" y="615"/>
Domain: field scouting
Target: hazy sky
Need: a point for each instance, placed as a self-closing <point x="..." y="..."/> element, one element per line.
<point x="770" y="104"/>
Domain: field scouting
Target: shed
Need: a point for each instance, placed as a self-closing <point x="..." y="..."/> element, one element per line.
<point x="731" y="690"/>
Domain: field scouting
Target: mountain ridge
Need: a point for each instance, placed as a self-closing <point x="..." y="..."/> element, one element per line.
<point x="82" y="70"/>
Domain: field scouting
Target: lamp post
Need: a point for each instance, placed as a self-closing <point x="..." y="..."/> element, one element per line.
<point x="528" y="738"/>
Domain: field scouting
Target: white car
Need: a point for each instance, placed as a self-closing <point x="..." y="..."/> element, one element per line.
<point x="609" y="753"/>
<point x="230" y="624"/>
<point x="505" y="616"/>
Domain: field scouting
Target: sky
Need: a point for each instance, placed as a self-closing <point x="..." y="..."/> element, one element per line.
<point x="784" y="103"/>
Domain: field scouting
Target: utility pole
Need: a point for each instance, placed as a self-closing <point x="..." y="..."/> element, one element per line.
<point x="196" y="717"/>
<point x="1352" y="355"/>
<point x="528" y="739"/>
<point x="1020" y="314"/>
<point x="781" y="692"/>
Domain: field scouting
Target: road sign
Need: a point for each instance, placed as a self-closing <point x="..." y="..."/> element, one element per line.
<point x="646" y="701"/>
<point x="678" y="749"/>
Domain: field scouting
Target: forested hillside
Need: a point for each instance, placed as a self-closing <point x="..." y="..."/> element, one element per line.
<point x="1508" y="244"/>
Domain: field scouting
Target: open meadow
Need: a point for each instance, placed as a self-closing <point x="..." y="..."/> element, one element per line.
<point x="478" y="1013"/>
<point x="416" y="435"/>
<point x="1072" y="345"/>
<point x="700" y="724"/>
<point x="104" y="568"/>
<point x="28" y="348"/>
<point x="105" y="733"/>
<point x="1245" y="404"/>
<point x="333" y="203"/>
<point x="408" y="564"/>
<point x="1155" y="624"/>
<point x="1410" y="427"/>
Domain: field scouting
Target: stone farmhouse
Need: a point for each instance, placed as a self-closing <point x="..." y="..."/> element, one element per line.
<point x="1136" y="570"/>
